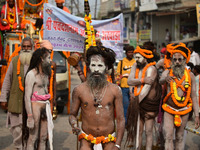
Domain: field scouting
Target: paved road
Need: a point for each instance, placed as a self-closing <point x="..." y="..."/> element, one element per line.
<point x="63" y="137"/>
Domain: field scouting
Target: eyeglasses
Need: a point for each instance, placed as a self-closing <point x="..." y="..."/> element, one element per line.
<point x="179" y="59"/>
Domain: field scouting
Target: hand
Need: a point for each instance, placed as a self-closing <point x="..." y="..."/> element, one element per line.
<point x="4" y="105"/>
<point x="30" y="122"/>
<point x="75" y="129"/>
<point x="196" y="122"/>
<point x="169" y="78"/>
<point x="148" y="80"/>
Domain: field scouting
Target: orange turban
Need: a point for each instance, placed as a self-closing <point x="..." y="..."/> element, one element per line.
<point x="145" y="53"/>
<point x="59" y="1"/>
<point x="183" y="50"/>
<point x="172" y="46"/>
<point x="46" y="44"/>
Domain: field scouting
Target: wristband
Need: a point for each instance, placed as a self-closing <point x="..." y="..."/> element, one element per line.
<point x="30" y="115"/>
<point x="117" y="146"/>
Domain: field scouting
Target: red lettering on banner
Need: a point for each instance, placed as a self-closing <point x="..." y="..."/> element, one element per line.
<point x="111" y="35"/>
<point x="48" y="23"/>
<point x="60" y="26"/>
<point x="82" y="32"/>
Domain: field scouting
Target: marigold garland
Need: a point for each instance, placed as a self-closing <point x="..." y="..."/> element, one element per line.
<point x="143" y="75"/>
<point x="11" y="21"/>
<point x="187" y="90"/>
<point x="144" y="52"/>
<point x="34" y="5"/>
<point x="183" y="101"/>
<point x="97" y="140"/>
<point x="19" y="77"/>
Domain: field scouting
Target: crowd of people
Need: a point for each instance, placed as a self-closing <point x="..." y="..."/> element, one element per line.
<point x="145" y="90"/>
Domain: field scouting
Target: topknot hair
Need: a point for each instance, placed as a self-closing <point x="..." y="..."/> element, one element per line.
<point x="107" y="53"/>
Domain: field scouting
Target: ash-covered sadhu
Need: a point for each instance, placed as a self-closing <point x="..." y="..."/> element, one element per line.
<point x="98" y="99"/>
<point x="144" y="105"/>
<point x="180" y="99"/>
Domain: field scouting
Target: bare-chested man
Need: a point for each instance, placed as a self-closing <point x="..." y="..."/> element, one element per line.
<point x="145" y="100"/>
<point x="98" y="99"/>
<point x="180" y="98"/>
<point x="37" y="100"/>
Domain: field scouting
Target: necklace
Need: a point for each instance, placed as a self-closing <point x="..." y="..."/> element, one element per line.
<point x="98" y="99"/>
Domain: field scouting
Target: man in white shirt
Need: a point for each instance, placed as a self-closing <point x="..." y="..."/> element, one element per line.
<point x="194" y="57"/>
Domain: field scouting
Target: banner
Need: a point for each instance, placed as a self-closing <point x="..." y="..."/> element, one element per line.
<point x="66" y="32"/>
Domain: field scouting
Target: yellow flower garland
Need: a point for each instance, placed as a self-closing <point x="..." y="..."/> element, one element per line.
<point x="97" y="140"/>
<point x="179" y="101"/>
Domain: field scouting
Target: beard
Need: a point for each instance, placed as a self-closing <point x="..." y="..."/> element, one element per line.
<point x="96" y="81"/>
<point x="25" y="57"/>
<point x="178" y="70"/>
<point x="46" y="68"/>
<point x="140" y="65"/>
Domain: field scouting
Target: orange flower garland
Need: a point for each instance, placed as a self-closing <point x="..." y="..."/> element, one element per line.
<point x="97" y="140"/>
<point x="188" y="91"/>
<point x="183" y="102"/>
<point x="11" y="21"/>
<point x="19" y="77"/>
<point x="143" y="75"/>
<point x="144" y="52"/>
<point x="34" y="5"/>
<point x="51" y="79"/>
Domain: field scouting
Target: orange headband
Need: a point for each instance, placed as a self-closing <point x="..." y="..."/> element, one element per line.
<point x="144" y="52"/>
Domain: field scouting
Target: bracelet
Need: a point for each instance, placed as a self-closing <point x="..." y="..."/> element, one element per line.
<point x="117" y="146"/>
<point x="30" y="115"/>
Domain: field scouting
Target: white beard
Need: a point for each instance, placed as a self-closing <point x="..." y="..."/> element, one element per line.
<point x="25" y="57"/>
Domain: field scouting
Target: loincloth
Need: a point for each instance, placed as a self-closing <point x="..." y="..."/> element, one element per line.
<point x="45" y="99"/>
<point x="36" y="97"/>
<point x="177" y="112"/>
<point x="149" y="105"/>
<point x="97" y="141"/>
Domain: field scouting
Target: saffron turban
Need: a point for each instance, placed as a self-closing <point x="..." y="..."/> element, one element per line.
<point x="145" y="53"/>
<point x="46" y="44"/>
<point x="172" y="46"/>
<point x="183" y="50"/>
<point x="59" y="1"/>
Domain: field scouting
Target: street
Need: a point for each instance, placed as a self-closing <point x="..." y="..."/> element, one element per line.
<point x="63" y="137"/>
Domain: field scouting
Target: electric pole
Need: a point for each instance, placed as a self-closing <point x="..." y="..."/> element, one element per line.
<point x="95" y="10"/>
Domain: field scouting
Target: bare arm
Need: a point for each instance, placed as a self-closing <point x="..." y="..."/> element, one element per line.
<point x="163" y="77"/>
<point x="74" y="110"/>
<point x="119" y="115"/>
<point x="194" y="100"/>
<point x="131" y="79"/>
<point x="160" y="64"/>
<point x="29" y="83"/>
<point x="151" y="74"/>
<point x="194" y="95"/>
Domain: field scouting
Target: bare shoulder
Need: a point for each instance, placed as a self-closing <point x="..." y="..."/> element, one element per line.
<point x="114" y="87"/>
<point x="80" y="88"/>
<point x="152" y="69"/>
<point x="31" y="74"/>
